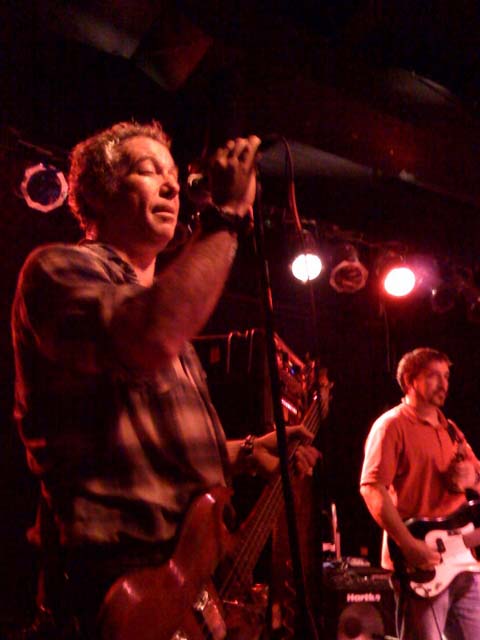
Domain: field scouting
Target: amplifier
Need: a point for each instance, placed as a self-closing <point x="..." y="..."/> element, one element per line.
<point x="358" y="604"/>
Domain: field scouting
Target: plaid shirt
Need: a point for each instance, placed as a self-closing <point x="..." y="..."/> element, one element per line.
<point x="120" y="454"/>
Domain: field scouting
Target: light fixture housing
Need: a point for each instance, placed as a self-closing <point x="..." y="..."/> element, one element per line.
<point x="349" y="275"/>
<point x="44" y="187"/>
<point x="456" y="282"/>
<point x="444" y="297"/>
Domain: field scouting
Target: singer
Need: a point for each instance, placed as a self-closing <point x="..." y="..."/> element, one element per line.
<point x="111" y="402"/>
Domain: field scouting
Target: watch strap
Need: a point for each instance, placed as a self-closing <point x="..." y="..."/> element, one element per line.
<point x="214" y="218"/>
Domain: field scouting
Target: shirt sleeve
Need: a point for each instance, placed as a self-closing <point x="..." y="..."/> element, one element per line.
<point x="65" y="301"/>
<point x="382" y="453"/>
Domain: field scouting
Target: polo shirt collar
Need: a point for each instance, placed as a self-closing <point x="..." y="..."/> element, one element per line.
<point x="411" y="414"/>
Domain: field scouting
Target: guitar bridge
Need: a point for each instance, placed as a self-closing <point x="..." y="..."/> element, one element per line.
<point x="201" y="601"/>
<point x="207" y="607"/>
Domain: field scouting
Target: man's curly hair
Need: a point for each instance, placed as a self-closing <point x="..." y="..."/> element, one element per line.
<point x="94" y="163"/>
<point x="414" y="361"/>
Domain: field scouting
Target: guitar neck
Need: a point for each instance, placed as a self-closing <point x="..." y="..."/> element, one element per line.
<point x="258" y="526"/>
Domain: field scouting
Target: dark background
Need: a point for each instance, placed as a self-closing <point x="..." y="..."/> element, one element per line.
<point x="379" y="100"/>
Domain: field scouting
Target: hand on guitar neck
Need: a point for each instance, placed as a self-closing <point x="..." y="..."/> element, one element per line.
<point x="265" y="452"/>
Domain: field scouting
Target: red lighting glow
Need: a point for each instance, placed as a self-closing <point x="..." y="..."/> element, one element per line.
<point x="399" y="282"/>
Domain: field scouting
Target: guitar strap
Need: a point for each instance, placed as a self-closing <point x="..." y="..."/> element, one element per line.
<point x="453" y="433"/>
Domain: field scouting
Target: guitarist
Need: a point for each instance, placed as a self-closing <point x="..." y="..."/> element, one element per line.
<point x="111" y="401"/>
<point x="417" y="464"/>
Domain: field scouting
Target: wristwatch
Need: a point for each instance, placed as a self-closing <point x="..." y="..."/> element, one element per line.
<point x="213" y="218"/>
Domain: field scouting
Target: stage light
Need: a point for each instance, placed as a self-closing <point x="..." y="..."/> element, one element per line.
<point x="444" y="298"/>
<point x="473" y="312"/>
<point x="396" y="275"/>
<point x="307" y="264"/>
<point x="456" y="281"/>
<point x="348" y="275"/>
<point x="44" y="187"/>
<point x="471" y="295"/>
<point x="399" y="281"/>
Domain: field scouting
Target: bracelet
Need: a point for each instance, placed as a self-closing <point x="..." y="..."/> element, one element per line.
<point x="246" y="450"/>
<point x="213" y="218"/>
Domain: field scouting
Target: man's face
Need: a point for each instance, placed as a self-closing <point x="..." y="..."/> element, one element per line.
<point x="431" y="384"/>
<point x="146" y="202"/>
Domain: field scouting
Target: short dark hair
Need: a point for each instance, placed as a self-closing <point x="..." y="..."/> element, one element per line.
<point x="94" y="161"/>
<point x="414" y="361"/>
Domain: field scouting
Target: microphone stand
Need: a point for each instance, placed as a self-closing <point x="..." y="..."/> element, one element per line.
<point x="304" y="629"/>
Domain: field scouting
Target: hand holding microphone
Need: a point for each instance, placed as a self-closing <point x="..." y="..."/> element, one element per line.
<point x="229" y="179"/>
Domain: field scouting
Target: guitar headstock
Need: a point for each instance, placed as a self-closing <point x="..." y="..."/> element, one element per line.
<point x="318" y="382"/>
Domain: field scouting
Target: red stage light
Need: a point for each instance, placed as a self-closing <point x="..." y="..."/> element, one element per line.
<point x="399" y="282"/>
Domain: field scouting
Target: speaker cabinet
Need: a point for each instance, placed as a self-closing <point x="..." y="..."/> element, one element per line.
<point x="359" y="604"/>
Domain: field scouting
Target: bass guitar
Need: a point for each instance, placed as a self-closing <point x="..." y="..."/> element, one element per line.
<point x="201" y="591"/>
<point x="455" y="537"/>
